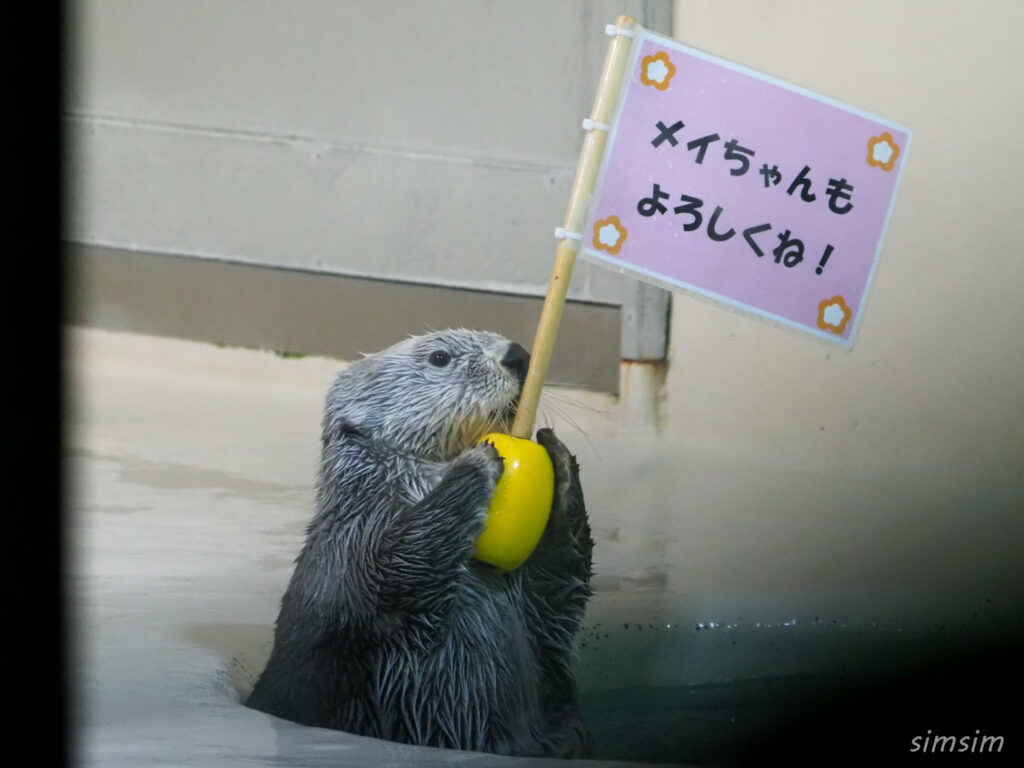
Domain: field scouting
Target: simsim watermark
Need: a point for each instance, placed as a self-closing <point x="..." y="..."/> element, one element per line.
<point x="975" y="743"/>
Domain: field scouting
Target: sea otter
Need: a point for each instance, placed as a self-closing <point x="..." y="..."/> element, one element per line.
<point x="389" y="627"/>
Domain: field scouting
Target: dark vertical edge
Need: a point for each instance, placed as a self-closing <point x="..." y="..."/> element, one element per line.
<point x="34" y="616"/>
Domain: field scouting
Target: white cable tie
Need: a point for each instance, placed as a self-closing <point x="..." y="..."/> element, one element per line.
<point x="611" y="30"/>
<point x="563" y="234"/>
<point x="591" y="125"/>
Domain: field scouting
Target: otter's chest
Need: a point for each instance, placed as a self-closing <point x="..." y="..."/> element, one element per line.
<point x="472" y="676"/>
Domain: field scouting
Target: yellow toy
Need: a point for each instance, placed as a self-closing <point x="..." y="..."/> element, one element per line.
<point x="521" y="503"/>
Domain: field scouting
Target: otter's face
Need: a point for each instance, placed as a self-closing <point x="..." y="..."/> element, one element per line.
<point x="434" y="395"/>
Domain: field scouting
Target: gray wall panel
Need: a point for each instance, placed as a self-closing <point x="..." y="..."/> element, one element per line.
<point x="432" y="142"/>
<point x="305" y="312"/>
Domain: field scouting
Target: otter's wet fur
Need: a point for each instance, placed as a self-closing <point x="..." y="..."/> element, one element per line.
<point x="389" y="627"/>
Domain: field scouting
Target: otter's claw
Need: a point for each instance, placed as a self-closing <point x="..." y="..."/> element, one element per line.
<point x="555" y="447"/>
<point x="566" y="469"/>
<point x="487" y="458"/>
<point x="568" y="514"/>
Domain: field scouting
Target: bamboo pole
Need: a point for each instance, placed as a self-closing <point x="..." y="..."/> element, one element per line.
<point x="615" y="63"/>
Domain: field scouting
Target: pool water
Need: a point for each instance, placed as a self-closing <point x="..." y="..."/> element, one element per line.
<point x="954" y="685"/>
<point x="711" y="724"/>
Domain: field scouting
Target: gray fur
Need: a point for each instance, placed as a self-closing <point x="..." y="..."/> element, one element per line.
<point x="389" y="628"/>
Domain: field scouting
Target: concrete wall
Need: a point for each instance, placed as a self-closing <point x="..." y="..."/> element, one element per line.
<point x="433" y="142"/>
<point x="240" y="130"/>
<point x="763" y="454"/>
<point x="935" y="384"/>
<point x="813" y="507"/>
<point x="796" y="488"/>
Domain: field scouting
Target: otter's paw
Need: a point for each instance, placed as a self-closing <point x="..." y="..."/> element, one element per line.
<point x="560" y="455"/>
<point x="568" y="524"/>
<point x="486" y="458"/>
<point x="567" y="471"/>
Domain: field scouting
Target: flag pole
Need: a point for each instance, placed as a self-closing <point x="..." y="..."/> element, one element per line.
<point x="614" y="70"/>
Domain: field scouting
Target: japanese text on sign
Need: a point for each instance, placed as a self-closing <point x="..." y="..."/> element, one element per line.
<point x="736" y="186"/>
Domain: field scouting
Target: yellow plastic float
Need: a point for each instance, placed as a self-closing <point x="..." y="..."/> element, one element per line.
<point x="521" y="503"/>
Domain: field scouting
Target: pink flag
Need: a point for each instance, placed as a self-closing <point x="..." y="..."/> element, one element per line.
<point x="745" y="189"/>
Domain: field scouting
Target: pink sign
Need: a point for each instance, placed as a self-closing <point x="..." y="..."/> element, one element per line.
<point x="745" y="189"/>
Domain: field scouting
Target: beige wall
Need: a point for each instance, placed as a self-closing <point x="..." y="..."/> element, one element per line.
<point x="808" y="500"/>
<point x="934" y="386"/>
<point x="426" y="141"/>
<point x="248" y="133"/>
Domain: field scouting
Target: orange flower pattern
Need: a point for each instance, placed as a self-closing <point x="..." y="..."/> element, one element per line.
<point x="609" y="235"/>
<point x="834" y="314"/>
<point x="883" y="151"/>
<point x="657" y="70"/>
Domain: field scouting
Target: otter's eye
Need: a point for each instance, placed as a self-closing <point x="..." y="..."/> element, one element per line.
<point x="439" y="358"/>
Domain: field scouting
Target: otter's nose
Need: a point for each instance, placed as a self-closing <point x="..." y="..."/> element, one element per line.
<point x="517" y="360"/>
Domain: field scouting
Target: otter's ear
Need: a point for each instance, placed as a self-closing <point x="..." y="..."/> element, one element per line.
<point x="334" y="432"/>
